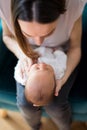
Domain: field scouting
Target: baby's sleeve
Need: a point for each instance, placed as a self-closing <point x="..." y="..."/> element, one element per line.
<point x="18" y="74"/>
<point x="60" y="64"/>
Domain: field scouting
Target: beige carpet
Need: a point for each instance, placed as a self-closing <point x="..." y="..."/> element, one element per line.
<point x="15" y="121"/>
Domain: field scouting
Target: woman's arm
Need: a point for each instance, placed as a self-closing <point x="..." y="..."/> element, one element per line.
<point x="73" y="54"/>
<point x="10" y="42"/>
<point x="13" y="46"/>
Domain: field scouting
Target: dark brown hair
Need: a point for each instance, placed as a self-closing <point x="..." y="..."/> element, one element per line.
<point x="41" y="11"/>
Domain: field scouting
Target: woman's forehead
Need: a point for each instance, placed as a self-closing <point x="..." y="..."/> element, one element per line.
<point x="34" y="29"/>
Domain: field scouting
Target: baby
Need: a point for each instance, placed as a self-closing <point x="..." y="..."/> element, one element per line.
<point x="40" y="81"/>
<point x="39" y="87"/>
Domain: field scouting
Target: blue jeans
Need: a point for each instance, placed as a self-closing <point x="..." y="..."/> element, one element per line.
<point x="59" y="109"/>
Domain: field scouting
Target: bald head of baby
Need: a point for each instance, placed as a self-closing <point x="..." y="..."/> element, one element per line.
<point x="40" y="85"/>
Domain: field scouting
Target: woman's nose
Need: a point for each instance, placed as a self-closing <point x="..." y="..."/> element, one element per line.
<point x="38" y="40"/>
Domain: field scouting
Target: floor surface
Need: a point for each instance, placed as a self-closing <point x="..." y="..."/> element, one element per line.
<point x="15" y="121"/>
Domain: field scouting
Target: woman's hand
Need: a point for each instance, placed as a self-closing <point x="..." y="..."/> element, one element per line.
<point x="59" y="84"/>
<point x="25" y="65"/>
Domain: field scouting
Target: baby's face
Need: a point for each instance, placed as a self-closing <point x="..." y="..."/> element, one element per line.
<point x="41" y="68"/>
<point x="41" y="76"/>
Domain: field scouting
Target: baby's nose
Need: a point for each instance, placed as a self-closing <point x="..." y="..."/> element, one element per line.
<point x="42" y="65"/>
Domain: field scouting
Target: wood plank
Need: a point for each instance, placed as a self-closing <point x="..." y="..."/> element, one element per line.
<point x="15" y="121"/>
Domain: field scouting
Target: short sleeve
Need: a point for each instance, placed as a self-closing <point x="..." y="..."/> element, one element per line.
<point x="1" y="7"/>
<point x="74" y="10"/>
<point x="0" y="14"/>
<point x="5" y="14"/>
<point x="80" y="8"/>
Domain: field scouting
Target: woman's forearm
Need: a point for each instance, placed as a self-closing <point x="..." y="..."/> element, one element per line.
<point x="73" y="60"/>
<point x="74" y="52"/>
<point x="11" y="42"/>
<point x="12" y="45"/>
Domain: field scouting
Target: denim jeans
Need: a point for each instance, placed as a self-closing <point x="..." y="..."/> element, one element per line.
<point x="59" y="109"/>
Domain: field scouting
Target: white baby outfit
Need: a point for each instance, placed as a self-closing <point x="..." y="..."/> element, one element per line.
<point x="57" y="59"/>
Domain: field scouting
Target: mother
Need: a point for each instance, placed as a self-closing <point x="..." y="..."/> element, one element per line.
<point x="44" y="23"/>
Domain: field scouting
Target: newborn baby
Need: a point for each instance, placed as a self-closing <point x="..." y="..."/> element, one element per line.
<point x="40" y="82"/>
<point x="39" y="87"/>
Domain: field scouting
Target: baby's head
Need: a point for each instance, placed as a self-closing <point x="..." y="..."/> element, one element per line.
<point x="40" y="85"/>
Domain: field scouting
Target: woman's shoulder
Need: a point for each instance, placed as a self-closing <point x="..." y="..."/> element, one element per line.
<point x="5" y="13"/>
<point x="4" y="7"/>
<point x="75" y="4"/>
<point x="74" y="10"/>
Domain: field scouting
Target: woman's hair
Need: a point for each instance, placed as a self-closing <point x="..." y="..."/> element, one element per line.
<point x="41" y="11"/>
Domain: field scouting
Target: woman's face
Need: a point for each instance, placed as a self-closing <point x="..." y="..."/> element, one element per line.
<point x="36" y="30"/>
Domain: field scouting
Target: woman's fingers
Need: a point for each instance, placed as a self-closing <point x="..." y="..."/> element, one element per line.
<point x="58" y="87"/>
<point x="25" y="65"/>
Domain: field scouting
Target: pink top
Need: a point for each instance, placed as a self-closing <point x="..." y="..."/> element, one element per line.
<point x="65" y="21"/>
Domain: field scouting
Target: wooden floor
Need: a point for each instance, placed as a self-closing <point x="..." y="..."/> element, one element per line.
<point x="15" y="121"/>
